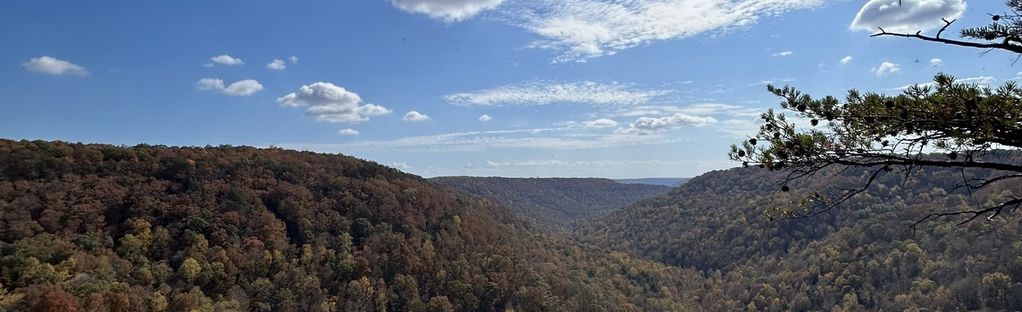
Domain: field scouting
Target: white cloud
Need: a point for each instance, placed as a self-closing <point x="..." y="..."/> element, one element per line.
<point x="447" y="10"/>
<point x="906" y="15"/>
<point x="485" y="118"/>
<point x="584" y="29"/>
<point x="715" y="109"/>
<point x="414" y="116"/>
<point x="276" y="64"/>
<point x="542" y="93"/>
<point x="348" y="132"/>
<point x="600" y="123"/>
<point x="669" y="122"/>
<point x="225" y="60"/>
<point x="886" y="68"/>
<point x="53" y="66"/>
<point x="783" y="53"/>
<point x="542" y="138"/>
<point x="327" y="102"/>
<point x="846" y="60"/>
<point x="936" y="62"/>
<point x="582" y="163"/>
<point x="740" y="128"/>
<point x="293" y="59"/>
<point x="402" y="166"/>
<point x="238" y="88"/>
<point x="243" y="88"/>
<point x="980" y="80"/>
<point x="207" y="84"/>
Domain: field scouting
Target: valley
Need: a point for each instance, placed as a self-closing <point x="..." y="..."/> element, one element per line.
<point x="238" y="228"/>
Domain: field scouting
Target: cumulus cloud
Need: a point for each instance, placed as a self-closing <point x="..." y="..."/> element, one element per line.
<point x="846" y="60"/>
<point x="669" y="122"/>
<point x="906" y="15"/>
<point x="543" y="93"/>
<point x="224" y="60"/>
<point x="783" y="53"/>
<point x="243" y="88"/>
<point x="446" y="10"/>
<point x="936" y="62"/>
<point x="414" y="116"/>
<point x="348" y="132"/>
<point x="276" y="64"/>
<point x="53" y="66"/>
<point x="485" y="118"/>
<point x="238" y="88"/>
<point x="886" y="68"/>
<point x="585" y="29"/>
<point x="600" y="123"/>
<point x="293" y="59"/>
<point x="327" y="102"/>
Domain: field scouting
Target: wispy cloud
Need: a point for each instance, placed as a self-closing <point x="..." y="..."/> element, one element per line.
<point x="348" y="132"/>
<point x="53" y="66"/>
<point x="485" y="118"/>
<point x="783" y="53"/>
<point x="582" y="163"/>
<point x="600" y="123"/>
<point x="543" y="93"/>
<point x="715" y="109"/>
<point x="980" y="80"/>
<point x="238" y="88"/>
<point x="585" y="29"/>
<point x="539" y="138"/>
<point x="846" y="60"/>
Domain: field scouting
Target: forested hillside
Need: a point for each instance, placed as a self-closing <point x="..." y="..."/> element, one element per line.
<point x="555" y="203"/>
<point x="861" y="256"/>
<point x="151" y="228"/>
<point x="672" y="182"/>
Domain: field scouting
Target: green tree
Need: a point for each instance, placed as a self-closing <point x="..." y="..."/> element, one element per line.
<point x="944" y="124"/>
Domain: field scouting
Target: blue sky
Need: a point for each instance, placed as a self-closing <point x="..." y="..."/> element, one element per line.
<point x="583" y="88"/>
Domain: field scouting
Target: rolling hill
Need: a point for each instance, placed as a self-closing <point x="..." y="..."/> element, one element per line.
<point x="862" y="256"/>
<point x="671" y="182"/>
<point x="555" y="203"/>
<point x="154" y="228"/>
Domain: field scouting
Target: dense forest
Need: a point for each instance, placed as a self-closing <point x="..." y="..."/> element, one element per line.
<point x="865" y="255"/>
<point x="555" y="203"/>
<point x="152" y="228"/>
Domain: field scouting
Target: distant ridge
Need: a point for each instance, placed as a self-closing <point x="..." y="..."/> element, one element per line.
<point x="672" y="182"/>
<point x="555" y="203"/>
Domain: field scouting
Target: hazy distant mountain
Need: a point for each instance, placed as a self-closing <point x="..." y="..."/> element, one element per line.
<point x="672" y="182"/>
<point x="555" y="202"/>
